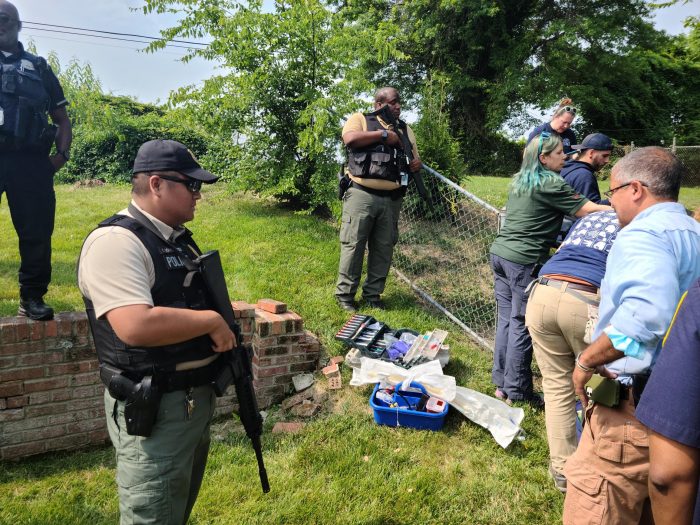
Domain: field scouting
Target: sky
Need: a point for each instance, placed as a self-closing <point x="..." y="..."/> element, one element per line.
<point x="149" y="77"/>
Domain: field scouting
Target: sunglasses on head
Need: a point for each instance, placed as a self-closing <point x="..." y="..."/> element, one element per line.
<point x="569" y="109"/>
<point x="543" y="135"/>
<point x="7" y="20"/>
<point x="193" y="185"/>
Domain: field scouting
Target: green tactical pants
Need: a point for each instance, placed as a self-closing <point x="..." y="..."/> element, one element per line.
<point x="158" y="477"/>
<point x="370" y="221"/>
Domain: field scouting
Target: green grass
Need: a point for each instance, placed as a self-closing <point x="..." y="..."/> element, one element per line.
<point x="342" y="469"/>
<point x="494" y="190"/>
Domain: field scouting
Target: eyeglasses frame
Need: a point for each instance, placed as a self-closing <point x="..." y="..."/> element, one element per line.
<point x="612" y="191"/>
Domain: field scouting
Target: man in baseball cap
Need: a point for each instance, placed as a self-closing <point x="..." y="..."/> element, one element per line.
<point x="154" y="328"/>
<point x="595" y="153"/>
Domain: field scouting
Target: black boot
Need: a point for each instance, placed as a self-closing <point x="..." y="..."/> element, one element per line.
<point x="35" y="308"/>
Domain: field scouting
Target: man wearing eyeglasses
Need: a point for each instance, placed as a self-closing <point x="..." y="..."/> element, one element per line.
<point x="155" y="332"/>
<point x="654" y="260"/>
<point x="29" y="92"/>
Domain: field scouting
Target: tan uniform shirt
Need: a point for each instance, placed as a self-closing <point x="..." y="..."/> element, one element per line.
<point x="358" y="122"/>
<point x="116" y="270"/>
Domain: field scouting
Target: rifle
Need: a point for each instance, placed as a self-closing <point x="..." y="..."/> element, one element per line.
<point x="237" y="361"/>
<point x="400" y="129"/>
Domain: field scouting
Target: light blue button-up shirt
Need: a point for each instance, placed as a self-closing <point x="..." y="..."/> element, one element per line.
<point x="653" y="261"/>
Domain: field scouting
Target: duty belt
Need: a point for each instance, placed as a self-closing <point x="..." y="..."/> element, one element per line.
<point x="639" y="382"/>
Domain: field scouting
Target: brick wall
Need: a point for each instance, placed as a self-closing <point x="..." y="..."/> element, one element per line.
<point x="51" y="394"/>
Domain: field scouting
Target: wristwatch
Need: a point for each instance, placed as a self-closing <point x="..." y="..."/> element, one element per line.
<point x="65" y="154"/>
<point x="385" y="135"/>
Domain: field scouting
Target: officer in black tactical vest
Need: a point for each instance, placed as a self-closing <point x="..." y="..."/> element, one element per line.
<point x="29" y="91"/>
<point x="372" y="202"/>
<point x="158" y="341"/>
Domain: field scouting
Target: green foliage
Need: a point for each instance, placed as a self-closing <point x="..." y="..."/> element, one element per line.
<point x="289" y="77"/>
<point x="108" y="153"/>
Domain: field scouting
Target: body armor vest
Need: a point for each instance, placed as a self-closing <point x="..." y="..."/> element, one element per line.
<point x="170" y="290"/>
<point x="379" y="161"/>
<point x="24" y="103"/>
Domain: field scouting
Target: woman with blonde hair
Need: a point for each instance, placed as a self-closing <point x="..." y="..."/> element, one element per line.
<point x="560" y="123"/>
<point x="538" y="200"/>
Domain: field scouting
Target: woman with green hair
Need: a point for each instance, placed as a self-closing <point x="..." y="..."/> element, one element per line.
<point x="538" y="200"/>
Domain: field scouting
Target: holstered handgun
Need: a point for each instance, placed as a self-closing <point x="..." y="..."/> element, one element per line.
<point x="142" y="399"/>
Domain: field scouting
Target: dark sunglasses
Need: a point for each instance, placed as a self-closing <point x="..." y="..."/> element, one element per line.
<point x="193" y="185"/>
<point x="543" y="135"/>
<point x="6" y="20"/>
<point x="611" y="191"/>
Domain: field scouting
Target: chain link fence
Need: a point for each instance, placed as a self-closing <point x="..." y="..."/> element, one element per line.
<point x="443" y="253"/>
<point x="443" y="249"/>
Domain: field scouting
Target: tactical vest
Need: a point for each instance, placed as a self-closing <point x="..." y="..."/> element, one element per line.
<point x="24" y="103"/>
<point x="168" y="290"/>
<point x="379" y="161"/>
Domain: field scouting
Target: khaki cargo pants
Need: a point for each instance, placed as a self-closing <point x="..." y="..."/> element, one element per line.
<point x="607" y="475"/>
<point x="370" y="221"/>
<point x="159" y="476"/>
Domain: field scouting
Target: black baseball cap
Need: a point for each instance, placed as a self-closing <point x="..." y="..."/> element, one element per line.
<point x="170" y="155"/>
<point x="596" y="141"/>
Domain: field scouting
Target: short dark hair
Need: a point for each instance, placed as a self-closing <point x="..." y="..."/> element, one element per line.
<point x="139" y="182"/>
<point x="656" y="166"/>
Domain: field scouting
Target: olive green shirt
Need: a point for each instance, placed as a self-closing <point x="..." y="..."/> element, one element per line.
<point x="533" y="221"/>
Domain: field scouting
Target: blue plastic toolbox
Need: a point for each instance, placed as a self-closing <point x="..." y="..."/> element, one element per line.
<point x="401" y="416"/>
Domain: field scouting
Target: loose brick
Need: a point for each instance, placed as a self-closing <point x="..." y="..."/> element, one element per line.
<point x="288" y="427"/>
<point x="19" y="374"/>
<point x="241" y="309"/>
<point x="337" y="360"/>
<point x="272" y="306"/>
<point x="41" y="385"/>
<point x="11" y="388"/>
<point x="306" y="409"/>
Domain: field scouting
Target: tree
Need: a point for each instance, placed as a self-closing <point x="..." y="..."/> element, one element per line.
<point x="500" y="57"/>
<point x="288" y="78"/>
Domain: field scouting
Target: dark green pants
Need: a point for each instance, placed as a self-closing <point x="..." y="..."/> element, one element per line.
<point x="370" y="221"/>
<point x="159" y="476"/>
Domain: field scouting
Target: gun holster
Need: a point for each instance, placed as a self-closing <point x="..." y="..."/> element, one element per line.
<point x="343" y="182"/>
<point x="142" y="399"/>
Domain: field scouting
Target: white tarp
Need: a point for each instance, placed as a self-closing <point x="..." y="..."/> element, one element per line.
<point x="502" y="420"/>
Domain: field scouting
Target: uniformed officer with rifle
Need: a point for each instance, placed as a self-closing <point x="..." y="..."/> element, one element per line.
<point x="29" y="91"/>
<point x="382" y="157"/>
<point x="165" y="338"/>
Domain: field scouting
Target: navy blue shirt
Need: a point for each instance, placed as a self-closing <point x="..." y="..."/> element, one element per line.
<point x="584" y="252"/>
<point x="581" y="177"/>
<point x="568" y="138"/>
<point x="669" y="404"/>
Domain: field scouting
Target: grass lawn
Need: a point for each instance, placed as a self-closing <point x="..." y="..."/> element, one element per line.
<point x="342" y="468"/>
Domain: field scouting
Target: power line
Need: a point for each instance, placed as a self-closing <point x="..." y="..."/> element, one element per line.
<point x="114" y="33"/>
<point x="160" y="52"/>
<point x="105" y="37"/>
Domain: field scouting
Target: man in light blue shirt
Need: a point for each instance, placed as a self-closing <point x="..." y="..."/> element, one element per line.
<point x="655" y="258"/>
